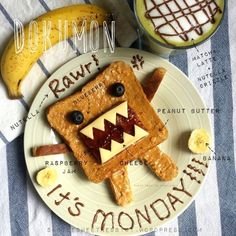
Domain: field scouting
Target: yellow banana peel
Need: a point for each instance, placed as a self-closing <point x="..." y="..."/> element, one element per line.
<point x="15" y="66"/>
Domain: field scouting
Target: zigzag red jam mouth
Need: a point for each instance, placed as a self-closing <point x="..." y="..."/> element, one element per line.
<point x="113" y="132"/>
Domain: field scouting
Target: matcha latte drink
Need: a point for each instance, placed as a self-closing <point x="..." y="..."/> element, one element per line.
<point x="178" y="24"/>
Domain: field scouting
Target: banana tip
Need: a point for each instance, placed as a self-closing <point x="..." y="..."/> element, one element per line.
<point x="14" y="95"/>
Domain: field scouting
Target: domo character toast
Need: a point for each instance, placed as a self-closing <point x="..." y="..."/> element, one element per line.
<point x="109" y="123"/>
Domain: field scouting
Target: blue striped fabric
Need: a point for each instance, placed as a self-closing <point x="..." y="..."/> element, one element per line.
<point x="224" y="144"/>
<point x="43" y="68"/>
<point x="59" y="227"/>
<point x="5" y="13"/>
<point x="150" y="234"/>
<point x="44" y="4"/>
<point x="17" y="187"/>
<point x="187" y="222"/>
<point x="180" y="60"/>
<point x="3" y="138"/>
<point x="224" y="141"/>
<point x="23" y="102"/>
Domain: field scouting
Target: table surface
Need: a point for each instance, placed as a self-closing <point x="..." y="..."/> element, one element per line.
<point x="212" y="69"/>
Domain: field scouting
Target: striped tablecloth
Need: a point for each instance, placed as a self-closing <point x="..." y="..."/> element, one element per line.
<point x="211" y="67"/>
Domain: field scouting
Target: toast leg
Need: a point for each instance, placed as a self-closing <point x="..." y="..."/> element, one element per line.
<point x="161" y="164"/>
<point x="120" y="186"/>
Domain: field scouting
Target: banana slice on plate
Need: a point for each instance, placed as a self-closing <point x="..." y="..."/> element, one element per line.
<point x="199" y="141"/>
<point x="46" y="177"/>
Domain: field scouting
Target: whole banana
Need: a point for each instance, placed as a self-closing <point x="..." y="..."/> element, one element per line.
<point x="14" y="67"/>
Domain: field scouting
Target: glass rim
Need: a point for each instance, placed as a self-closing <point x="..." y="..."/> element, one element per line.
<point x="173" y="46"/>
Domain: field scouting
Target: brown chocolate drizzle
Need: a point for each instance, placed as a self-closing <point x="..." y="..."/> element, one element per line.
<point x="188" y="12"/>
<point x="157" y="213"/>
<point x="63" y="197"/>
<point x="173" y="200"/>
<point x="54" y="189"/>
<point x="199" y="162"/>
<point x="182" y="189"/>
<point x="191" y="176"/>
<point x="78" y="204"/>
<point x="199" y="171"/>
<point x="131" y="220"/>
<point x="147" y="217"/>
<point x="105" y="215"/>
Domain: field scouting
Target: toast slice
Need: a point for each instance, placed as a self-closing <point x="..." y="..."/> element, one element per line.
<point x="95" y="101"/>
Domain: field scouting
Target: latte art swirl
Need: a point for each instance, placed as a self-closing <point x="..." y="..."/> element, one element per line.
<point x="180" y="22"/>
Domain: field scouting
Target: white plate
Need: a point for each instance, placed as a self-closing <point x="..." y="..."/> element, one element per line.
<point x="152" y="197"/>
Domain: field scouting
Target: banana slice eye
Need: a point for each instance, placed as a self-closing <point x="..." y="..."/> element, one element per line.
<point x="46" y="177"/>
<point x="199" y="141"/>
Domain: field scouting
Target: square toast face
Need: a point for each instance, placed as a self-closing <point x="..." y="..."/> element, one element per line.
<point x="104" y="114"/>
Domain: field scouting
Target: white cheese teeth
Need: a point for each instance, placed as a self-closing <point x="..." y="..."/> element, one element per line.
<point x="199" y="141"/>
<point x="46" y="177"/>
